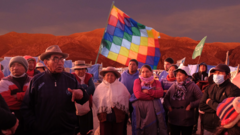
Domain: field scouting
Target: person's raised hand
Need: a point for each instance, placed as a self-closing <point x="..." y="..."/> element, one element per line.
<point x="188" y="107"/>
<point x="77" y="94"/>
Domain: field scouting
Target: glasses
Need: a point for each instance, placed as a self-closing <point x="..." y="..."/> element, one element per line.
<point x="56" y="59"/>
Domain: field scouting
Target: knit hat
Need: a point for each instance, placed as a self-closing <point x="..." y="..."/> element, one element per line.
<point x="19" y="59"/>
<point x="229" y="111"/>
<point x="170" y="60"/>
<point x="204" y="64"/>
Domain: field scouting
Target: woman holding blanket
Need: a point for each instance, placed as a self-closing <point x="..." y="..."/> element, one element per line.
<point x="148" y="112"/>
<point x="111" y="99"/>
<point x="181" y="99"/>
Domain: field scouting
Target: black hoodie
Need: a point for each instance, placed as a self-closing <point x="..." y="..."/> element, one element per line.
<point x="200" y="76"/>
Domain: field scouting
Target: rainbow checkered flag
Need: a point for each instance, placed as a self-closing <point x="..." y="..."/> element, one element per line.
<point x="125" y="39"/>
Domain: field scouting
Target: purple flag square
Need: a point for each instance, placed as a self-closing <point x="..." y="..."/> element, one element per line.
<point x="120" y="25"/>
<point x="127" y="22"/>
<point x="150" y="60"/>
<point x="110" y="29"/>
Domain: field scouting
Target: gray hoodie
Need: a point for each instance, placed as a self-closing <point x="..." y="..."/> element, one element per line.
<point x="179" y="116"/>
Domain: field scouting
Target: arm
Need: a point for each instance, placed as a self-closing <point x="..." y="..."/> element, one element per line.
<point x="137" y="90"/>
<point x="84" y="92"/>
<point x="198" y="95"/>
<point x="91" y="87"/>
<point x="158" y="92"/>
<point x="7" y="119"/>
<point x="194" y="77"/>
<point x="167" y="97"/>
<point x="202" y="105"/>
<point x="20" y="95"/>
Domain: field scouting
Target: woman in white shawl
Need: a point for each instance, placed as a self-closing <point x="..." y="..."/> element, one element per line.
<point x="111" y="99"/>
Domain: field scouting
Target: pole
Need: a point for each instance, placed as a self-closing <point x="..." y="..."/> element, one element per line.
<point x="227" y="61"/>
<point x="238" y="69"/>
<point x="100" y="47"/>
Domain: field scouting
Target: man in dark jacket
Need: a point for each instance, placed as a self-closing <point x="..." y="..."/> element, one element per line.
<point x="201" y="74"/>
<point x="49" y="104"/>
<point x="8" y="122"/>
<point x="215" y="94"/>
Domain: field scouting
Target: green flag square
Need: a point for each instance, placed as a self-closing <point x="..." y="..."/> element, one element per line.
<point x="136" y="31"/>
<point x="127" y="37"/>
<point x="117" y="40"/>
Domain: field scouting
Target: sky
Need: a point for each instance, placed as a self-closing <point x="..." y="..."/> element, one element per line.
<point x="217" y="19"/>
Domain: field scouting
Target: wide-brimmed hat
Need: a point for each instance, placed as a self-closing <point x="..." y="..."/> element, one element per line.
<point x="54" y="49"/>
<point x="110" y="69"/>
<point x="183" y="68"/>
<point x="80" y="64"/>
<point x="40" y="65"/>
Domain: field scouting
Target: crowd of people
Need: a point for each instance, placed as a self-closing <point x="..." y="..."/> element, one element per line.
<point x="43" y="99"/>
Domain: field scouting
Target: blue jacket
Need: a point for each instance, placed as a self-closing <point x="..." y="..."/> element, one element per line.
<point x="128" y="80"/>
<point x="47" y="107"/>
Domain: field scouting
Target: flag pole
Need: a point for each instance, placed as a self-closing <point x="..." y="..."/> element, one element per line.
<point x="227" y="57"/>
<point x="99" y="50"/>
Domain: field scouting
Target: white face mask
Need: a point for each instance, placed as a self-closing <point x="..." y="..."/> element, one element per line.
<point x="218" y="79"/>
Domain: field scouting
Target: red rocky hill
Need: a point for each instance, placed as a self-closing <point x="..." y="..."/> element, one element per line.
<point x="85" y="46"/>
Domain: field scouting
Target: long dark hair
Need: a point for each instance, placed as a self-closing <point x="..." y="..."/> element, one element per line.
<point x="146" y="66"/>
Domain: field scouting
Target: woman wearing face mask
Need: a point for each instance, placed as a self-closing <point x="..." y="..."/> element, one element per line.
<point x="148" y="113"/>
<point x="214" y="94"/>
<point x="180" y="100"/>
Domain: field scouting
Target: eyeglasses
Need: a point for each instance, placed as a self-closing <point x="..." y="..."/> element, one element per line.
<point x="56" y="59"/>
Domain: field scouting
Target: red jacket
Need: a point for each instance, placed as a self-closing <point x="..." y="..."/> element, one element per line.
<point x="9" y="87"/>
<point x="152" y="94"/>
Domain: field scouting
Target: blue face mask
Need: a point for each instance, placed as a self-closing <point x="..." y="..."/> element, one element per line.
<point x="218" y="79"/>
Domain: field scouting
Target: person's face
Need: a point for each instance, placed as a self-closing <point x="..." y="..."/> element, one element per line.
<point x="132" y="66"/>
<point x="171" y="71"/>
<point x="109" y="77"/>
<point x="202" y="68"/>
<point x="166" y="65"/>
<point x="180" y="77"/>
<point x="80" y="72"/>
<point x="145" y="72"/>
<point x="31" y="65"/>
<point x="222" y="73"/>
<point x="55" y="64"/>
<point x="17" y="69"/>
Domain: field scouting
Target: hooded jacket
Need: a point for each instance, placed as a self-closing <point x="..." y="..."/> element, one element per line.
<point x="200" y="76"/>
<point x="34" y="71"/>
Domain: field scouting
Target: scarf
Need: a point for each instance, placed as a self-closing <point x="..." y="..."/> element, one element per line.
<point x="146" y="81"/>
<point x="30" y="73"/>
<point x="110" y="95"/>
<point x="171" y="79"/>
<point x="180" y="90"/>
<point x="18" y="76"/>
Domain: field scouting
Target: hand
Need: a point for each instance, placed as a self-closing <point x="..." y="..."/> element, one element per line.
<point x="169" y="108"/>
<point x="207" y="101"/>
<point x="188" y="107"/>
<point x="165" y="91"/>
<point x="145" y="91"/>
<point x="11" y="130"/>
<point x="76" y="94"/>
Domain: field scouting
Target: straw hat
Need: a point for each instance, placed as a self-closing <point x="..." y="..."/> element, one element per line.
<point x="39" y="65"/>
<point x="110" y="69"/>
<point x="80" y="64"/>
<point x="54" y="49"/>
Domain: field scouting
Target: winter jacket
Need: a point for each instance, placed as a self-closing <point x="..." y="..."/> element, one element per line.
<point x="128" y="80"/>
<point x="179" y="116"/>
<point x="47" y="107"/>
<point x="10" y="87"/>
<point x="217" y="93"/>
<point x="200" y="76"/>
<point x="7" y="119"/>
